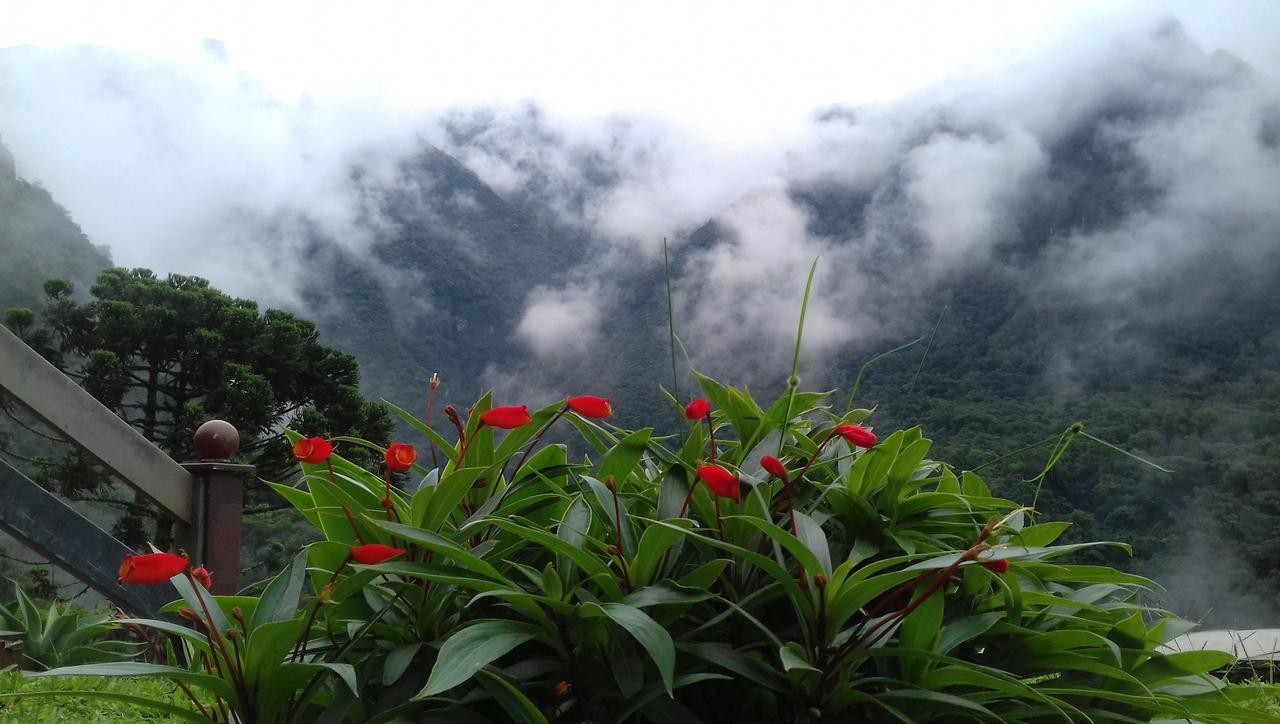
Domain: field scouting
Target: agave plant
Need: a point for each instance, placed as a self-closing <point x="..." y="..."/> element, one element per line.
<point x="60" y="635"/>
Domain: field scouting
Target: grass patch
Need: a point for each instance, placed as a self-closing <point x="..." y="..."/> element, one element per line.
<point x="38" y="710"/>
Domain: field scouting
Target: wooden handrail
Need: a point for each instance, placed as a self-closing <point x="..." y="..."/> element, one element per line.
<point x="67" y="408"/>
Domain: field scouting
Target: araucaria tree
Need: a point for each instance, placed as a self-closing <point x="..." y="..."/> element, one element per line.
<point x="168" y="353"/>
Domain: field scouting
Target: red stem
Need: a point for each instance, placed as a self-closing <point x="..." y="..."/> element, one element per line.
<point x="351" y="520"/>
<point x="532" y="445"/>
<point x="711" y="430"/>
<point x="684" y="508"/>
<point x="237" y="677"/>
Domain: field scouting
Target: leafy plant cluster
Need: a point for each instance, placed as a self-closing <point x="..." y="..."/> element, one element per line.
<point x="512" y="583"/>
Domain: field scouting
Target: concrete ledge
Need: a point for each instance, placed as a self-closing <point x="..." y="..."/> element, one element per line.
<point x="1258" y="644"/>
<point x="76" y="415"/>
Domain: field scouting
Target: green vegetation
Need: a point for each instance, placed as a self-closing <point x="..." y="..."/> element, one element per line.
<point x="60" y="635"/>
<point x="84" y="706"/>
<point x="168" y="353"/>
<point x="672" y="577"/>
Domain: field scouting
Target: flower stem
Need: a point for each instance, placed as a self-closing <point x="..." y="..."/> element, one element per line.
<point x="711" y="430"/>
<point x="793" y="381"/>
<point x="532" y="445"/>
<point x="354" y="529"/>
<point x="431" y="404"/>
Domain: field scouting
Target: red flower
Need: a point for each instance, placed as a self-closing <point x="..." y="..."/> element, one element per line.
<point x="151" y="569"/>
<point x="203" y="575"/>
<point x="1000" y="565"/>
<point x="371" y="554"/>
<point x="774" y="467"/>
<point x="312" y="450"/>
<point x="697" y="410"/>
<point x="400" y="457"/>
<point x="592" y="407"/>
<point x="859" y="436"/>
<point x="507" y="418"/>
<point x="721" y="481"/>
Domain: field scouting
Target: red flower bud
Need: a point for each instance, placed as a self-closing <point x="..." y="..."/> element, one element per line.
<point x="721" y="481"/>
<point x="1000" y="565"/>
<point x="774" y="467"/>
<point x="856" y="435"/>
<point x="371" y="554"/>
<point x="507" y="418"/>
<point x="591" y="407"/>
<point x="313" y="450"/>
<point x="203" y="576"/>
<point x="697" y="410"/>
<point x="151" y="569"/>
<point x="400" y="457"/>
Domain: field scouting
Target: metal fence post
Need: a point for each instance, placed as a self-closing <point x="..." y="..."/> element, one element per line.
<point x="218" y="504"/>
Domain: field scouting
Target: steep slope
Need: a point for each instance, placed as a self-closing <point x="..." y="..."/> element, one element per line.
<point x="39" y="241"/>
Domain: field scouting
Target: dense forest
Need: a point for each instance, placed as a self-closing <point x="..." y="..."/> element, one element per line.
<point x="1018" y="339"/>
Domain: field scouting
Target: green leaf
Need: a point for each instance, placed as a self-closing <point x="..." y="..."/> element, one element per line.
<point x="574" y="526"/>
<point x="920" y="630"/>
<point x="589" y="564"/>
<point x="449" y="492"/>
<point x="737" y="662"/>
<point x="397" y="662"/>
<point x="653" y="637"/>
<point x="1042" y="534"/>
<point x="605" y="498"/>
<point x="471" y="649"/>
<point x="512" y="700"/>
<point x="279" y="601"/>
<point x="654" y="544"/>
<point x="794" y="659"/>
<point x="811" y="535"/>
<point x="965" y="629"/>
<point x="624" y="456"/>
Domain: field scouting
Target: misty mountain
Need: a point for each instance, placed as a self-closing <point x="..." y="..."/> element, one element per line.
<point x="1099" y="239"/>
<point x="39" y="241"/>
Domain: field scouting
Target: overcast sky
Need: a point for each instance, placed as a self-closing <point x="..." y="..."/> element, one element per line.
<point x="213" y="138"/>
<point x="737" y="72"/>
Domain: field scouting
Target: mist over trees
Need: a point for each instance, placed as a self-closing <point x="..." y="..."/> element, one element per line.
<point x="1101" y="234"/>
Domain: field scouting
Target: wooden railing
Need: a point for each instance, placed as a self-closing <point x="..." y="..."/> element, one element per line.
<point x="203" y="496"/>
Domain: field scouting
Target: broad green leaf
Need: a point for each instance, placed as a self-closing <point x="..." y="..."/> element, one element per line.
<point x="622" y="459"/>
<point x="813" y="538"/>
<point x="512" y="700"/>
<point x="920" y="630"/>
<point x="397" y="662"/>
<point x="279" y="601"/>
<point x="965" y="629"/>
<point x="655" y="639"/>
<point x="654" y="544"/>
<point x="574" y="527"/>
<point x="471" y="649"/>
<point x="607" y="501"/>
<point x="794" y="659"/>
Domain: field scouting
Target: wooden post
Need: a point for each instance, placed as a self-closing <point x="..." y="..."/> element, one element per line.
<point x="218" y="504"/>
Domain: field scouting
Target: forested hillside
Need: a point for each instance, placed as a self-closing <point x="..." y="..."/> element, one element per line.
<point x="1105" y="255"/>
<point x="38" y="241"/>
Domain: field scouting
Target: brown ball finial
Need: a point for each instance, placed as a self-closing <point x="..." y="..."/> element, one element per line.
<point x="216" y="440"/>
